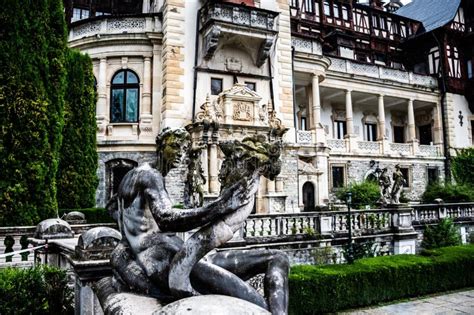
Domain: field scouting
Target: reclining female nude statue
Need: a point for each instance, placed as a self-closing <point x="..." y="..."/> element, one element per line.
<point x="152" y="260"/>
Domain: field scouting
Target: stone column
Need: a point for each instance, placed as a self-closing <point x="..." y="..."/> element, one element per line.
<point x="213" y="169"/>
<point x="437" y="130"/>
<point x="270" y="186"/>
<point x="156" y="85"/>
<point x="145" y="115"/>
<point x="349" y="114"/>
<point x="411" y="121"/>
<point x="102" y="116"/>
<point x="381" y="135"/>
<point x="316" y="102"/>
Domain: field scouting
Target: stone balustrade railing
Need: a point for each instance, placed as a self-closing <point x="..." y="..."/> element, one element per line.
<point x="15" y="238"/>
<point x="239" y="15"/>
<point x="269" y="225"/>
<point x="381" y="72"/>
<point x="434" y="212"/>
<point x="115" y="25"/>
<point x="369" y="147"/>
<point x="304" y="137"/>
<point x="337" y="145"/>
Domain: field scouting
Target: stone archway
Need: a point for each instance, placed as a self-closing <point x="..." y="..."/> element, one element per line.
<point x="308" y="197"/>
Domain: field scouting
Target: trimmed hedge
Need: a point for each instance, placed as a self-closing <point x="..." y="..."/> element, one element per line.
<point x="38" y="290"/>
<point x="448" y="193"/>
<point x="322" y="289"/>
<point x="93" y="215"/>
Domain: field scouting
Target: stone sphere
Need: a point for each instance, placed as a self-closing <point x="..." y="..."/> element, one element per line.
<point x="212" y="305"/>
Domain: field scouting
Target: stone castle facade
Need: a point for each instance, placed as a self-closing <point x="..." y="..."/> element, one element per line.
<point x="310" y="66"/>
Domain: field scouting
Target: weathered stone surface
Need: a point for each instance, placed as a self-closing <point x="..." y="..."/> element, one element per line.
<point x="53" y="228"/>
<point x="212" y="305"/>
<point x="97" y="243"/>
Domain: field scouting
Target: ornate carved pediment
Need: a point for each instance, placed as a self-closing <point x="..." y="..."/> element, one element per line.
<point x="241" y="106"/>
<point x="241" y="90"/>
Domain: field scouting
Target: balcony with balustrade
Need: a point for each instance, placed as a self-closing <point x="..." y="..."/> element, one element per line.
<point x="253" y="26"/>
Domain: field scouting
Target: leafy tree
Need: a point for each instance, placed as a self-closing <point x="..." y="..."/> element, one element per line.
<point x="448" y="193"/>
<point x="364" y="193"/>
<point x="463" y="166"/>
<point x="442" y="235"/>
<point x="78" y="160"/>
<point x="32" y="47"/>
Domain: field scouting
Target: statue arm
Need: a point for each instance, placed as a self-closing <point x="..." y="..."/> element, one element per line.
<point x="179" y="220"/>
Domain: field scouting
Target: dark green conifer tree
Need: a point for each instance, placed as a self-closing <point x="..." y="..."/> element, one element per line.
<point x="32" y="75"/>
<point x="77" y="179"/>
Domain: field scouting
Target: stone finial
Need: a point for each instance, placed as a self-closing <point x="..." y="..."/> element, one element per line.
<point x="97" y="243"/>
<point x="53" y="229"/>
<point x="75" y="217"/>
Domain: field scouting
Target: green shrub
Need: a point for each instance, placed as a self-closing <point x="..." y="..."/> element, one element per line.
<point x="441" y="235"/>
<point x="330" y="288"/>
<point x="359" y="251"/>
<point x="78" y="156"/>
<point x="363" y="194"/>
<point x="462" y="166"/>
<point x="93" y="215"/>
<point x="448" y="192"/>
<point x="39" y="290"/>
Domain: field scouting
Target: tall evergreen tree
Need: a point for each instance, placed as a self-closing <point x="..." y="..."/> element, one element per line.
<point x="32" y="75"/>
<point x="77" y="176"/>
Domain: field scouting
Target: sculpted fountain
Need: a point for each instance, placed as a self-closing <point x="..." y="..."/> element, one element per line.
<point x="152" y="261"/>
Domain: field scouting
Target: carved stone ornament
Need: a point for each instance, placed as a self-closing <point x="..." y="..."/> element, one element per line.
<point x="243" y="111"/>
<point x="211" y="41"/>
<point x="264" y="51"/>
<point x="233" y="64"/>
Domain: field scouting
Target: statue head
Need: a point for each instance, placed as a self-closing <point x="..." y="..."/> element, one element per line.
<point x="397" y="167"/>
<point x="251" y="155"/>
<point x="170" y="147"/>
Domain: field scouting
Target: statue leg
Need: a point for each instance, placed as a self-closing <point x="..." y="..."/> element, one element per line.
<point x="208" y="278"/>
<point x="129" y="274"/>
<point x="248" y="263"/>
<point x="196" y="247"/>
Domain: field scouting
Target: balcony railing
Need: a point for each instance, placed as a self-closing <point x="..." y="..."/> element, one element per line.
<point x="380" y="72"/>
<point x="434" y="212"/>
<point x="338" y="145"/>
<point x="402" y="148"/>
<point x="369" y="146"/>
<point x="114" y="25"/>
<point x="238" y="15"/>
<point x="304" y="137"/>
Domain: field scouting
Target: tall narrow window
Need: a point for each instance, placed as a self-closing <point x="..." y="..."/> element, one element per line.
<point x="309" y="6"/>
<point x="335" y="10"/>
<point x="453" y="61"/>
<point x="406" y="175"/>
<point x="340" y="129"/>
<point x="294" y="3"/>
<point x="124" y="97"/>
<point x="345" y="13"/>
<point x="371" y="131"/>
<point x="433" y="60"/>
<point x="337" y="176"/>
<point x="433" y="175"/>
<point x="425" y="134"/>
<point x="469" y="69"/>
<point x="327" y="8"/>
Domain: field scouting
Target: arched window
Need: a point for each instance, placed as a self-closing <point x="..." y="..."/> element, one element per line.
<point x="124" y="97"/>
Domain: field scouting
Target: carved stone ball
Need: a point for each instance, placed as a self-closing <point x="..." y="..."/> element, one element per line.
<point x="212" y="305"/>
<point x="53" y="229"/>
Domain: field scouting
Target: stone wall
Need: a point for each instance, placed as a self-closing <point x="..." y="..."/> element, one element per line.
<point x="104" y="157"/>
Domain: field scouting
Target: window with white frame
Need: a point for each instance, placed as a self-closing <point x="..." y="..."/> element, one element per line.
<point x="340" y="129"/>
<point x="79" y="14"/>
<point x="309" y="6"/>
<point x="433" y="60"/>
<point x="453" y="61"/>
<point x="371" y="131"/>
<point x="458" y="21"/>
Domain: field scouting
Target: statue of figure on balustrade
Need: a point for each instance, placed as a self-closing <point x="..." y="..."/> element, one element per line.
<point x="151" y="260"/>
<point x="384" y="186"/>
<point x="398" y="182"/>
<point x="374" y="172"/>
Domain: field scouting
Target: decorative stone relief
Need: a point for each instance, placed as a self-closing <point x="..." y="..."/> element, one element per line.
<point x="93" y="27"/>
<point x="243" y="111"/>
<point x="125" y="24"/>
<point x="233" y="64"/>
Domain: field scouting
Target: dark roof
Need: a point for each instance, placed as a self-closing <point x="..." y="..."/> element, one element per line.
<point x="432" y="13"/>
